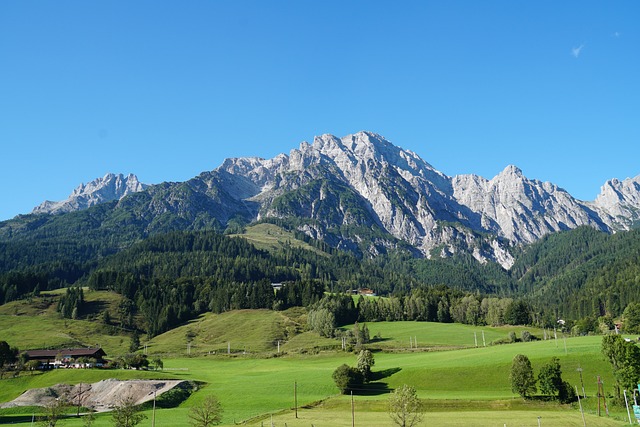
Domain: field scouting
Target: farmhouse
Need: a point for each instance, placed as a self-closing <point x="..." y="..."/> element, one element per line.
<point x="68" y="357"/>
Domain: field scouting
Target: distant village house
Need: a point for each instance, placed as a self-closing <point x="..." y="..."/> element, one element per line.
<point x="68" y="357"/>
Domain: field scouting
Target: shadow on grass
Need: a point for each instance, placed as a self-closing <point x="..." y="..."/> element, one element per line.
<point x="376" y="387"/>
<point x="15" y="419"/>
<point x="385" y="373"/>
<point x="94" y="307"/>
<point x="379" y="339"/>
<point x="372" y="389"/>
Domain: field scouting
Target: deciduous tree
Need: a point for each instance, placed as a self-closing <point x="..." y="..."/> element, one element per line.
<point x="53" y="411"/>
<point x="347" y="378"/>
<point x="404" y="406"/>
<point x="550" y="378"/>
<point x="126" y="414"/>
<point x="625" y="361"/>
<point x="523" y="381"/>
<point x="207" y="413"/>
<point x="364" y="364"/>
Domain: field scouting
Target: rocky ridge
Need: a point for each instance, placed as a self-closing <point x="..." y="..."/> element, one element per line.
<point x="363" y="193"/>
<point x="109" y="187"/>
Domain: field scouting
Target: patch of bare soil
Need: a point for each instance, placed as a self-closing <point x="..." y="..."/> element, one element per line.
<point x="101" y="396"/>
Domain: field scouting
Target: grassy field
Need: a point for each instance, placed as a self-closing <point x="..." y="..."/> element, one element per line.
<point x="271" y="237"/>
<point x="466" y="386"/>
<point x="429" y="335"/>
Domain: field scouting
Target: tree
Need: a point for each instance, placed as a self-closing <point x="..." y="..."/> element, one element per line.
<point x="88" y="419"/>
<point x="631" y="318"/>
<point x="126" y="414"/>
<point x="7" y="354"/>
<point x="550" y="378"/>
<point x="135" y="342"/>
<point x="517" y="313"/>
<point x="404" y="406"/>
<point x="347" y="378"/>
<point x="136" y="361"/>
<point x="522" y="379"/>
<point x="208" y="413"/>
<point x="158" y="364"/>
<point x="364" y="364"/>
<point x="624" y="358"/>
<point x="364" y="333"/>
<point x="322" y="321"/>
<point x="31" y="365"/>
<point x="53" y="411"/>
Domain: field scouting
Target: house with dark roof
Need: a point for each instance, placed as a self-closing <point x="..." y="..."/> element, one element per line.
<point x="68" y="357"/>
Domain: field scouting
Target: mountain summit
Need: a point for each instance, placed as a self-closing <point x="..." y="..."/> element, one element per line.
<point x="363" y="193"/>
<point x="105" y="189"/>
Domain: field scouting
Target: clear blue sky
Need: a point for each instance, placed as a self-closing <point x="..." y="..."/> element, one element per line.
<point x="167" y="90"/>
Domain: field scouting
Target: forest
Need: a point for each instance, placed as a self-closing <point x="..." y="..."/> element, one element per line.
<point x="582" y="276"/>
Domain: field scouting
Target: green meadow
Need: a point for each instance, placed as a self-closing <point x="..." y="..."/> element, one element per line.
<point x="459" y="383"/>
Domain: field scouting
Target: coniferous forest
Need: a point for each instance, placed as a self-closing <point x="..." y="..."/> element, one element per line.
<point x="167" y="278"/>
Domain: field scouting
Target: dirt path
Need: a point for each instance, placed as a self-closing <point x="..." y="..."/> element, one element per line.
<point x="101" y="396"/>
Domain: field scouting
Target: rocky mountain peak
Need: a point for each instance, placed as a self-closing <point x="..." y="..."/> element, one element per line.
<point x="511" y="171"/>
<point x="620" y="200"/>
<point x="109" y="187"/>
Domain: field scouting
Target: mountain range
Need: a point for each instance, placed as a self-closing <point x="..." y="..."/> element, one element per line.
<point x="362" y="193"/>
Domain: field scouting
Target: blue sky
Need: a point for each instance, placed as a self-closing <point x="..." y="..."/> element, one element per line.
<point x="167" y="90"/>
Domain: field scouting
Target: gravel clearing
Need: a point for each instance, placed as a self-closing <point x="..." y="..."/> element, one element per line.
<point x="101" y="396"/>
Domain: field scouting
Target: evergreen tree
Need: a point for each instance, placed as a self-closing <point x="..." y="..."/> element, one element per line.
<point x="631" y="318"/>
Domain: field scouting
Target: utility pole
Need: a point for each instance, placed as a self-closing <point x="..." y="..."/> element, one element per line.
<point x="79" y="397"/>
<point x="584" y="422"/>
<point x="153" y="417"/>
<point x="353" y="412"/>
<point x="601" y="395"/>
<point x="581" y="382"/>
<point x="626" y="403"/>
<point x="295" y="397"/>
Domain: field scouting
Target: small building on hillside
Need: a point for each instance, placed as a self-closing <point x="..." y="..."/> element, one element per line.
<point x="68" y="357"/>
<point x="366" y="292"/>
